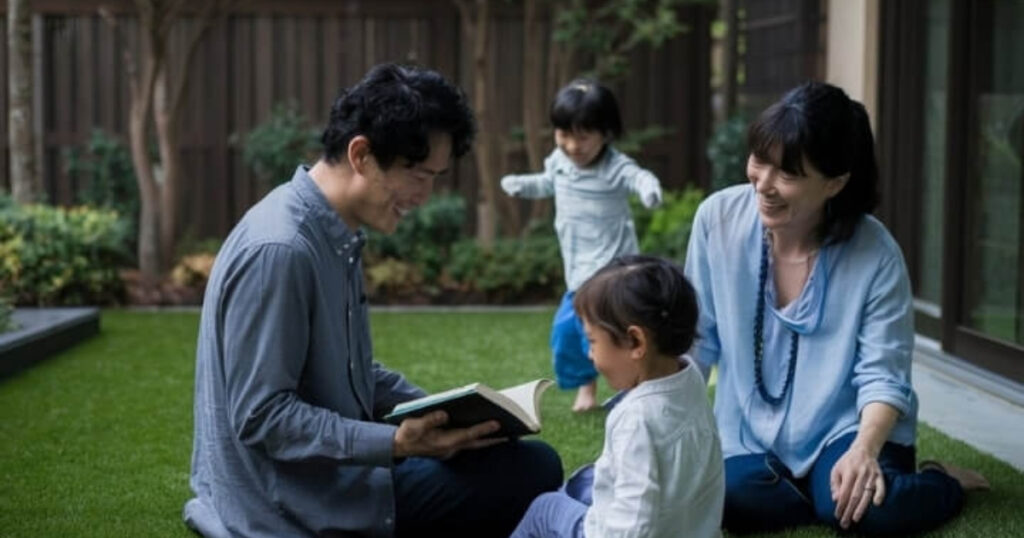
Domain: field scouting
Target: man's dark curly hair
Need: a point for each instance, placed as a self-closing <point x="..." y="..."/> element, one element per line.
<point x="397" y="107"/>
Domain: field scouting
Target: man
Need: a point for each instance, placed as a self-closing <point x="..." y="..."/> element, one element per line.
<point x="288" y="399"/>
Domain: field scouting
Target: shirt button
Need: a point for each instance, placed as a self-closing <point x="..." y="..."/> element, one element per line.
<point x="350" y="259"/>
<point x="388" y="521"/>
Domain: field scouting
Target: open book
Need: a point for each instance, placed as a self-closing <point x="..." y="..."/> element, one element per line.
<point x="516" y="408"/>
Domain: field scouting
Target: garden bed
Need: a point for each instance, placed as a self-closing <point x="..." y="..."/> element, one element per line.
<point x="41" y="332"/>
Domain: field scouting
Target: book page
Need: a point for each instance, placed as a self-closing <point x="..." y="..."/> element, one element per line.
<point x="527" y="397"/>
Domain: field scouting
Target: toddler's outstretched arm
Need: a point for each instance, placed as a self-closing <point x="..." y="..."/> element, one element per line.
<point x="540" y="185"/>
<point x="644" y="184"/>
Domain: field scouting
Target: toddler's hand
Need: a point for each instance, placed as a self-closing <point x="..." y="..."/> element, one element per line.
<point x="651" y="198"/>
<point x="511" y="185"/>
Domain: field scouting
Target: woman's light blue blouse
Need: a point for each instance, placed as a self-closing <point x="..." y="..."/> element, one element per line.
<point x="855" y="324"/>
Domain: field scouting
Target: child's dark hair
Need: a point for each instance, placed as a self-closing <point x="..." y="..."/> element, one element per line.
<point x="646" y="291"/>
<point x="396" y="108"/>
<point x="819" y="121"/>
<point x="585" y="104"/>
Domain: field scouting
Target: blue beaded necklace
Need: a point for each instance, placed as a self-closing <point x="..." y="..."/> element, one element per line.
<point x="759" y="338"/>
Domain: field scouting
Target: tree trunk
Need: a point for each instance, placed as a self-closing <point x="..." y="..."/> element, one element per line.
<point x="149" y="206"/>
<point x="24" y="180"/>
<point x="476" y="23"/>
<point x="156" y="105"/>
<point x="170" y="161"/>
<point x="534" y="100"/>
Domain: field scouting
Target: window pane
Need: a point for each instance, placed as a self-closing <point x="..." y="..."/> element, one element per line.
<point x="933" y="166"/>
<point x="994" y="242"/>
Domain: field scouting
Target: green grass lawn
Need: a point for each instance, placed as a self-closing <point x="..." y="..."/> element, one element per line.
<point x="96" y="442"/>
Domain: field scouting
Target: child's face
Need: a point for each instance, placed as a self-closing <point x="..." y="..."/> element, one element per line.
<point x="617" y="363"/>
<point x="581" y="145"/>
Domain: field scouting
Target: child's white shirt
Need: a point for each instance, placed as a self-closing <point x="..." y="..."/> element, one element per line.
<point x="660" y="473"/>
<point x="592" y="215"/>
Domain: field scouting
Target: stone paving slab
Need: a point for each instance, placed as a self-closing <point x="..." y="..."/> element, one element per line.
<point x="984" y="412"/>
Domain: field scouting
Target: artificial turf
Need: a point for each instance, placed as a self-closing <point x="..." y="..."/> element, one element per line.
<point x="96" y="441"/>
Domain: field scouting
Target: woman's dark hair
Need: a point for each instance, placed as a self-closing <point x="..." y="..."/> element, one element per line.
<point x="396" y="108"/>
<point x="585" y="104"/>
<point x="820" y="122"/>
<point x="646" y="291"/>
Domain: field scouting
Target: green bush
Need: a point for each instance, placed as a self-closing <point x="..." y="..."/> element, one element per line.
<point x="277" y="145"/>
<point x="57" y="256"/>
<point x="103" y="170"/>
<point x="514" y="270"/>
<point x="727" y="151"/>
<point x="424" y="237"/>
<point x="6" y="310"/>
<point x="429" y="258"/>
<point x="665" y="231"/>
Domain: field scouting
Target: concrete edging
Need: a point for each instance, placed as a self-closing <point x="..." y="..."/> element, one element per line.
<point x="43" y="332"/>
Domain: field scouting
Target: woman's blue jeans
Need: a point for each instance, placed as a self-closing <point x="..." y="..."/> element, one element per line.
<point x="761" y="494"/>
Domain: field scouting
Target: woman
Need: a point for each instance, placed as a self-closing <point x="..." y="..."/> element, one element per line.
<point x="806" y="309"/>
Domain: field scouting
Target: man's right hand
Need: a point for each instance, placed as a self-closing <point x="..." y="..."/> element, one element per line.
<point x="424" y="437"/>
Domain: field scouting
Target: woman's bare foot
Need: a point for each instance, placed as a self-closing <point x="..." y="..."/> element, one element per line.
<point x="969" y="479"/>
<point x="586" y="398"/>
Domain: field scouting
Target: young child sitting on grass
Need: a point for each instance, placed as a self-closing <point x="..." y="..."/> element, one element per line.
<point x="660" y="473"/>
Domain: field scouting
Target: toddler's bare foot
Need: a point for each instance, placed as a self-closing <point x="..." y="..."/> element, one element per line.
<point x="586" y="398"/>
<point x="969" y="479"/>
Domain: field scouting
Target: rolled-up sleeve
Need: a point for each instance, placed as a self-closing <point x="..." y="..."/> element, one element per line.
<point x="886" y="339"/>
<point x="265" y="319"/>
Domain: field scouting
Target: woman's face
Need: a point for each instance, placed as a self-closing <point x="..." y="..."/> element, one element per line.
<point x="789" y="203"/>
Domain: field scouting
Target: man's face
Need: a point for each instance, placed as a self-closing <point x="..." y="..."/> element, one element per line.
<point x="383" y="197"/>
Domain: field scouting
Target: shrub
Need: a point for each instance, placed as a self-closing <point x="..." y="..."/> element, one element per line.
<point x="727" y="151"/>
<point x="513" y="270"/>
<point x="277" y="145"/>
<point x="106" y="178"/>
<point x="394" y="278"/>
<point x="6" y="311"/>
<point x="424" y="237"/>
<point x="665" y="231"/>
<point x="57" y="256"/>
<point x="193" y="270"/>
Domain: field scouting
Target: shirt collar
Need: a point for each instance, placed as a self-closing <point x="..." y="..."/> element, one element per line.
<point x="342" y="239"/>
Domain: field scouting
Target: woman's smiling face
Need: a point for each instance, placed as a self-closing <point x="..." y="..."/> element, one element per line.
<point x="789" y="202"/>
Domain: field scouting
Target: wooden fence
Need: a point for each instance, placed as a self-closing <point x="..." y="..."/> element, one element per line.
<point x="305" y="51"/>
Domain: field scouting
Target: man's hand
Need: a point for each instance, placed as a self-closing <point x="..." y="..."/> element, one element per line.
<point x="424" y="437"/>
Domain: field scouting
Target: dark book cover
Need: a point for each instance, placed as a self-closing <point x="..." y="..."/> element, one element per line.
<point x="468" y="410"/>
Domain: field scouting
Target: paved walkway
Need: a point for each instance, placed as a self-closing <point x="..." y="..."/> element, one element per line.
<point x="969" y="404"/>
